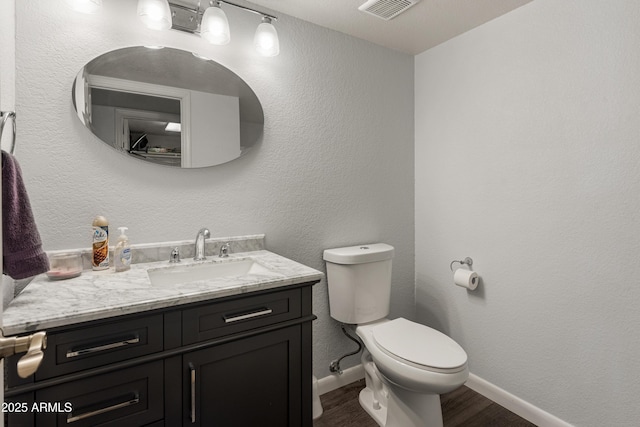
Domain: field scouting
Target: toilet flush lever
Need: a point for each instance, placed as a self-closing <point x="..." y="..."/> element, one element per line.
<point x="31" y="344"/>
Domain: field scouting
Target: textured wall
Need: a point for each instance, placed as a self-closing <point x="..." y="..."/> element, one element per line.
<point x="7" y="62"/>
<point x="527" y="161"/>
<point x="335" y="166"/>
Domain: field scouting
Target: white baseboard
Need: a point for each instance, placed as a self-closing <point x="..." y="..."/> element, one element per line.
<point x="502" y="397"/>
<point x="335" y="381"/>
<point x="513" y="403"/>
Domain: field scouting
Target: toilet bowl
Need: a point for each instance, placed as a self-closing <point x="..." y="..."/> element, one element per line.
<point x="415" y="356"/>
<point x="407" y="365"/>
<point x="414" y="364"/>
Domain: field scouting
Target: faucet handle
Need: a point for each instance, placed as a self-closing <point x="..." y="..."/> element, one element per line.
<point x="225" y="249"/>
<point x="175" y="255"/>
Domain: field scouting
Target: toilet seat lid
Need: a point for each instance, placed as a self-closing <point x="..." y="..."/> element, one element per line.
<point x="419" y="344"/>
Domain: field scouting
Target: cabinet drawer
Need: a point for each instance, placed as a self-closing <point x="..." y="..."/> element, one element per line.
<point x="94" y="346"/>
<point x="229" y="317"/>
<point x="129" y="397"/>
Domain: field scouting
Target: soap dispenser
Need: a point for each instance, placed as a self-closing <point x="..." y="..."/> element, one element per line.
<point x="123" y="251"/>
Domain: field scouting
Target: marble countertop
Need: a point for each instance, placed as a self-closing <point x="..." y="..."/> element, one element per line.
<point x="102" y="294"/>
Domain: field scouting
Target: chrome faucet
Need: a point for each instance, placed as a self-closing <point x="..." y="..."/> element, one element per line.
<point x="199" y="250"/>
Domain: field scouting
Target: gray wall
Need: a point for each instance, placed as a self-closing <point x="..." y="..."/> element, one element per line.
<point x="527" y="160"/>
<point x="335" y="166"/>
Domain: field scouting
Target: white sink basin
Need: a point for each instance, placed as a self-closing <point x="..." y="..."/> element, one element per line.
<point x="175" y="275"/>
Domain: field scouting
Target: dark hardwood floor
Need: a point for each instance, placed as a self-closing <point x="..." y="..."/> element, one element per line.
<point x="460" y="408"/>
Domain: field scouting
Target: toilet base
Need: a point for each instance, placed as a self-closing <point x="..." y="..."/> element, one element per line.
<point x="393" y="406"/>
<point x="366" y="399"/>
<point x="409" y="409"/>
<point x="399" y="414"/>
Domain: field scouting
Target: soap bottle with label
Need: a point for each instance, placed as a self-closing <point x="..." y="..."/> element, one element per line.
<point x="100" y="259"/>
<point x="122" y="252"/>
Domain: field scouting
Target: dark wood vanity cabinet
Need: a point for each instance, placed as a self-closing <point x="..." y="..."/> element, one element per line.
<point x="236" y="361"/>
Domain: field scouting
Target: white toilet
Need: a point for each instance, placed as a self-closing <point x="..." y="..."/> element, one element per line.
<point x="407" y="365"/>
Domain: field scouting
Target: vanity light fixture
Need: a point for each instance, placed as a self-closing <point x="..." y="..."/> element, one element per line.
<point x="214" y="26"/>
<point x="210" y="23"/>
<point x="266" y="39"/>
<point x="155" y="14"/>
<point x="84" y="6"/>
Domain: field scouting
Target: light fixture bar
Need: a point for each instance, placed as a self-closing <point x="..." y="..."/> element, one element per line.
<point x="248" y="9"/>
<point x="188" y="19"/>
<point x="184" y="18"/>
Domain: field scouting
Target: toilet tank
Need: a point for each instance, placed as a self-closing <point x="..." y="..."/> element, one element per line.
<point x="359" y="282"/>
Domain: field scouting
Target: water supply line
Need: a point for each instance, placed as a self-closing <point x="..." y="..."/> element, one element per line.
<point x="334" y="367"/>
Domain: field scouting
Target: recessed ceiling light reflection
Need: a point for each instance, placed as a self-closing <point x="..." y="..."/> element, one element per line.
<point x="173" y="127"/>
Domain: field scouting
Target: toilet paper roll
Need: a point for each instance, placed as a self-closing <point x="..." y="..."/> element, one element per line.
<point x="466" y="278"/>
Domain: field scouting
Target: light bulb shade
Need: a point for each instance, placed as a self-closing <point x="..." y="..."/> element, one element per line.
<point x="155" y="14"/>
<point x="266" y="39"/>
<point x="214" y="26"/>
<point x="84" y="6"/>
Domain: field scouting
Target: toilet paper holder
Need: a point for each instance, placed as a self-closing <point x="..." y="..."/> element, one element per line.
<point x="467" y="261"/>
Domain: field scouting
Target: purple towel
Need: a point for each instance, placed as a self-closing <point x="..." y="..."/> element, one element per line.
<point x="22" y="254"/>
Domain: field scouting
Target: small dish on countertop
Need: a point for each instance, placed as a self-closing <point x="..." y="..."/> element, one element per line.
<point x="64" y="266"/>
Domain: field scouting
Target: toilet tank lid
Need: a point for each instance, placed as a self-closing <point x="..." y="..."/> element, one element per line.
<point x="359" y="254"/>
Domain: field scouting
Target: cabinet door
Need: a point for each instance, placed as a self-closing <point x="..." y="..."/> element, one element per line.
<point x="254" y="381"/>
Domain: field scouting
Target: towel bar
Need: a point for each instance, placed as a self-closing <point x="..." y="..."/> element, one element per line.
<point x="6" y="115"/>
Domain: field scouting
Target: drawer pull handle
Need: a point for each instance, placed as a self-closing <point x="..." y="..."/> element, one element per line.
<point x="100" y="348"/>
<point x="192" y="370"/>
<point x="262" y="312"/>
<point x="134" y="401"/>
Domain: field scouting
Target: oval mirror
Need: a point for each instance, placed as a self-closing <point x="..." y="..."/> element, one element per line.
<point x="168" y="106"/>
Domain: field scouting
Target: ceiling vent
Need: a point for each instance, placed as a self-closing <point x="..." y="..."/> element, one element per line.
<point x="387" y="9"/>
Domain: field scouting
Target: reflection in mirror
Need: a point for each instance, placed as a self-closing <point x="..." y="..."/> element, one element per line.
<point x="167" y="106"/>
